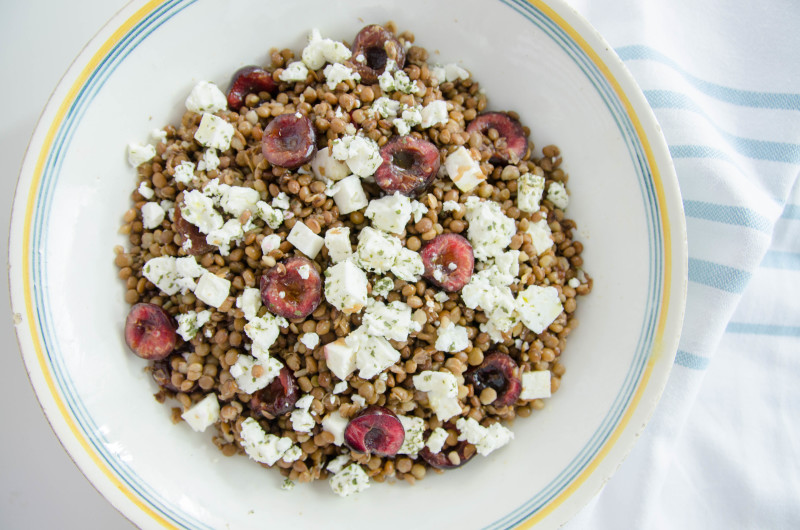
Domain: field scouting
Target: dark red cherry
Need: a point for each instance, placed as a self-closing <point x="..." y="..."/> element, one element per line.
<point x="289" y="140"/>
<point x="448" y="261"/>
<point x="278" y="397"/>
<point x="443" y="460"/>
<point x="150" y="332"/>
<point x="292" y="288"/>
<point x="376" y="430"/>
<point x="376" y="45"/>
<point x="499" y="372"/>
<point x="248" y="80"/>
<point x="409" y="165"/>
<point x="512" y="144"/>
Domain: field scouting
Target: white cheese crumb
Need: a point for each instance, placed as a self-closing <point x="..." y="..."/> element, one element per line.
<point x="390" y="213"/>
<point x="538" y="307"/>
<point x="434" y="113"/>
<point x="325" y="166"/>
<point x="463" y="170"/>
<point x="442" y="389"/>
<point x="210" y="160"/>
<point x="346" y="287"/>
<point x="202" y="414"/>
<point x="336" y="465"/>
<point x="305" y="240"/>
<point x="382" y="287"/>
<point x="377" y="250"/>
<point x="529" y="192"/>
<point x="408" y="265"/>
<point x="540" y="236"/>
<point x="348" y="194"/>
<point x="242" y="372"/>
<point x="340" y="387"/>
<point x="340" y="358"/>
<point x="535" y="385"/>
<point x="152" y="215"/>
<point x="436" y="440"/>
<point x="138" y="154"/>
<point x="557" y="194"/>
<point x="318" y="51"/>
<point x="337" y="240"/>
<point x="361" y="154"/>
<point x="335" y="424"/>
<point x="414" y="440"/>
<point x="281" y="201"/>
<point x="392" y="320"/>
<point x="452" y="338"/>
<point x="373" y="354"/>
<point x="292" y="454"/>
<point x="339" y="73"/>
<point x="270" y="243"/>
<point x="215" y="132"/>
<point x="145" y="190"/>
<point x="349" y="480"/>
<point x="295" y="72"/>
<point x="189" y="323"/>
<point x="206" y="97"/>
<point x="263" y="331"/>
<point x="490" y="230"/>
<point x="486" y="440"/>
<point x="310" y="340"/>
<point x="260" y="446"/>
<point x="198" y="209"/>
<point x="249" y="302"/>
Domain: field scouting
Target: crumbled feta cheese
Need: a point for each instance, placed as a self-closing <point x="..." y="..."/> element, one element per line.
<point x="376" y="250"/>
<point x="249" y="302"/>
<point x="318" y="51"/>
<point x="295" y="72"/>
<point x="229" y="233"/>
<point x="382" y="287"/>
<point x="452" y="338"/>
<point x="272" y="216"/>
<point x="485" y="440"/>
<point x="529" y="192"/>
<point x="449" y="73"/>
<point x="540" y="236"/>
<point x="206" y="97"/>
<point x="161" y="272"/>
<point x="442" y="389"/>
<point x="418" y="210"/>
<point x="337" y="240"/>
<point x="390" y="213"/>
<point x="373" y="354"/>
<point x="263" y="331"/>
<point x="215" y="132"/>
<point x="270" y="243"/>
<point x="260" y="446"/>
<point x="348" y="194"/>
<point x="408" y="265"/>
<point x="358" y="400"/>
<point x="138" y="154"/>
<point x="410" y="118"/>
<point x="158" y="136"/>
<point x="184" y="172"/>
<point x="210" y="160"/>
<point x="202" y="414"/>
<point x="281" y="201"/>
<point x="415" y="435"/>
<point x="198" y="209"/>
<point x="386" y="108"/>
<point x="292" y="454"/>
<point x="346" y="287"/>
<point x="310" y="340"/>
<point x="392" y="320"/>
<point x="340" y="387"/>
<point x="152" y="215"/>
<point x="305" y="240"/>
<point x="335" y="424"/>
<point x="441" y="297"/>
<point x="235" y="200"/>
<point x="336" y="465"/>
<point x="361" y="154"/>
<point x="574" y="283"/>
<point x="450" y="206"/>
<point x="302" y="421"/>
<point x="304" y="271"/>
<point x="488" y="289"/>
<point x="349" y="480"/>
<point x="397" y="82"/>
<point x="242" y="372"/>
<point x="339" y="73"/>
<point x="434" y="113"/>
<point x="212" y="290"/>
<point x="538" y="307"/>
<point x="463" y="170"/>
<point x="340" y="358"/>
<point x="557" y="194"/>
<point x="145" y="190"/>
<point x="508" y="265"/>
<point x="189" y="323"/>
<point x="325" y="166"/>
<point x="436" y="440"/>
<point x="490" y="230"/>
<point x="535" y="385"/>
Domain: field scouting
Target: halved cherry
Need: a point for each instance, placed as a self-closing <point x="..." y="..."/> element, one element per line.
<point x="162" y="374"/>
<point x="448" y="261"/>
<point x="246" y="81"/>
<point x="278" y="397"/>
<point x="150" y="332"/>
<point x="292" y="288"/>
<point x="499" y="372"/>
<point x="289" y="140"/>
<point x="372" y="48"/>
<point x="199" y="245"/>
<point x="376" y="430"/>
<point x="409" y="165"/>
<point x="450" y="457"/>
<point x="512" y="144"/>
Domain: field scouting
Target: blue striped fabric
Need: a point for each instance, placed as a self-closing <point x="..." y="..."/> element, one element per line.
<point x="718" y="276"/>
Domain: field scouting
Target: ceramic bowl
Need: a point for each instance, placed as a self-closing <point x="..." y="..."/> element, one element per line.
<point x="539" y="58"/>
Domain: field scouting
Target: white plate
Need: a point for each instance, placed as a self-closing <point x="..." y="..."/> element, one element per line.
<point x="539" y="58"/>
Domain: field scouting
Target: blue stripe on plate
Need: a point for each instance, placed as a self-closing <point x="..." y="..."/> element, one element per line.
<point x="718" y="276"/>
<point x="776" y="259"/>
<point x="758" y="149"/>
<point x="731" y="215"/>
<point x="743" y="98"/>
<point x="690" y="360"/>
<point x="773" y="330"/>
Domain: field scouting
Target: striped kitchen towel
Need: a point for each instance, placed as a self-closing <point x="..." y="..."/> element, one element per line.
<point x="723" y="78"/>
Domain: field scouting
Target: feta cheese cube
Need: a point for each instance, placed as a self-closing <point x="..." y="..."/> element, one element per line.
<point x="444" y="407"/>
<point x="263" y="331"/>
<point x="302" y="421"/>
<point x="486" y="440"/>
<point x="452" y="338"/>
<point x="160" y="271"/>
<point x="418" y="210"/>
<point x="198" y="209"/>
<point x="349" y="480"/>
<point x="535" y="385"/>
<point x="235" y="200"/>
<point x="292" y="454"/>
<point x="340" y="358"/>
<point x="340" y="387"/>
<point x="325" y="166"/>
<point x="436" y="440"/>
<point x="376" y="250"/>
<point x="189" y="323"/>
<point x="382" y="287"/>
<point x="270" y="243"/>
<point x="305" y="240"/>
<point x="392" y="321"/>
<point x="272" y="216"/>
<point x="557" y="194"/>
<point x="335" y="424"/>
<point x="229" y="233"/>
<point x="202" y="414"/>
<point x="184" y="172"/>
<point x="386" y="108"/>
<point x="145" y="190"/>
<point x="319" y="50"/>
<point x="339" y="73"/>
<point x="410" y="118"/>
<point x="373" y="354"/>
<point x="337" y="239"/>
<point x="346" y="287"/>
<point x="415" y="435"/>
<point x="490" y="230"/>
<point x="463" y="170"/>
<point x="540" y="236"/>
<point x="152" y="215"/>
<point x="529" y="192"/>
<point x="442" y="389"/>
<point x="260" y="446"/>
<point x="449" y="73"/>
<point x="508" y="265"/>
<point x="336" y="465"/>
<point x="295" y="72"/>
<point x="138" y="153"/>
<point x="390" y="213"/>
<point x="397" y="82"/>
<point x="361" y="154"/>
<point x="215" y="132"/>
<point x="538" y="307"/>
<point x="408" y="265"/>
<point x="249" y="302"/>
<point x="281" y="201"/>
<point x="206" y="97"/>
<point x="310" y="340"/>
<point x="210" y="160"/>
<point x="348" y="195"/>
<point x="242" y="372"/>
<point x="434" y="113"/>
<point x="450" y="206"/>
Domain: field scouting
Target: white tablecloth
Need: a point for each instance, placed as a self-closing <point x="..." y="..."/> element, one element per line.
<point x="723" y="449"/>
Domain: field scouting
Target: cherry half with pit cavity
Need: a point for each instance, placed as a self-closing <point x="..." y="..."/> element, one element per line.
<point x="289" y="140"/>
<point x="373" y="47"/>
<point x="292" y="288"/>
<point x="409" y="165"/>
<point x="448" y="261"/>
<point x="463" y="453"/>
<point x="376" y="430"/>
<point x="248" y="80"/>
<point x="150" y="332"/>
<point x="512" y="143"/>
<point x="499" y="372"/>
<point x="278" y="397"/>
